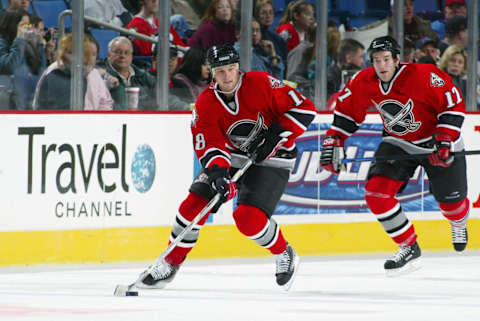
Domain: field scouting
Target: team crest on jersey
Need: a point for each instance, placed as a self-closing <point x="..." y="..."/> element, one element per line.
<point x="397" y="118"/>
<point x="435" y="80"/>
<point x="243" y="132"/>
<point x="275" y="83"/>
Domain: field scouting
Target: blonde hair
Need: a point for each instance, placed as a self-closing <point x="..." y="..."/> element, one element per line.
<point x="449" y="53"/>
<point x="294" y="7"/>
<point x="65" y="46"/>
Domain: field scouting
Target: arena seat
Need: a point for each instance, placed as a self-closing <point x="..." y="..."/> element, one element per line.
<point x="426" y="5"/>
<point x="49" y="11"/>
<point x="103" y="36"/>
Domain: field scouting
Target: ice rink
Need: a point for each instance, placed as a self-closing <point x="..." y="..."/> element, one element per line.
<point x="447" y="287"/>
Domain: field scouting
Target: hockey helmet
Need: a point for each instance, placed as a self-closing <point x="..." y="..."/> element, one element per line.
<point x="385" y="43"/>
<point x="221" y="56"/>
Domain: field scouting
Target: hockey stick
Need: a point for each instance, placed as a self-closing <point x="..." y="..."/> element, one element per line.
<point x="404" y="157"/>
<point x="126" y="290"/>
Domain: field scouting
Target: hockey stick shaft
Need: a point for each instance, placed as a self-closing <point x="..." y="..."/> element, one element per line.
<point x="404" y="157"/>
<point x="194" y="222"/>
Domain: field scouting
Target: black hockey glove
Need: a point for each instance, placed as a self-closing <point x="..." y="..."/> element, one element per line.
<point x="268" y="142"/>
<point x="219" y="181"/>
<point x="442" y="155"/>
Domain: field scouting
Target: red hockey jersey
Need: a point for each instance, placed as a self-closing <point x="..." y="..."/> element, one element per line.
<point x="219" y="129"/>
<point x="141" y="25"/>
<point x="421" y="99"/>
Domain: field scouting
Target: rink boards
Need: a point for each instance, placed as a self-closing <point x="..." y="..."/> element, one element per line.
<point x="99" y="187"/>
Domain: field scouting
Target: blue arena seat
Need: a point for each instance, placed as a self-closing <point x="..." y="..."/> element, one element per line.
<point x="354" y="7"/>
<point x="49" y="11"/>
<point x="361" y="20"/>
<point x="279" y="5"/>
<point x="103" y="36"/>
<point x="426" y="5"/>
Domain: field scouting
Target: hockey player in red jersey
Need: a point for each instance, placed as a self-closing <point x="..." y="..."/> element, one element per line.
<point x="240" y="115"/>
<point x="422" y="112"/>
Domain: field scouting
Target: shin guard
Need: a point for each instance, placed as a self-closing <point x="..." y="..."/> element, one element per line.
<point x="456" y="213"/>
<point x="380" y="194"/>
<point x="187" y="212"/>
<point x="254" y="224"/>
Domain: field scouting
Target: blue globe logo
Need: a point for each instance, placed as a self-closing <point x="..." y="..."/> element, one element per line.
<point x="143" y="168"/>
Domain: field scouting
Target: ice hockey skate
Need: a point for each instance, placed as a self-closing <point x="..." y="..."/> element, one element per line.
<point x="459" y="236"/>
<point x="405" y="261"/>
<point x="158" y="276"/>
<point x="287" y="267"/>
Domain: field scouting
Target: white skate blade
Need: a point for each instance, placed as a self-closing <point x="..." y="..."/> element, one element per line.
<point x="289" y="284"/>
<point x="408" y="268"/>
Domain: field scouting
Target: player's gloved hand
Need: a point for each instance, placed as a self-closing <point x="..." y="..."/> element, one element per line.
<point x="219" y="180"/>
<point x="332" y="154"/>
<point x="268" y="142"/>
<point x="442" y="155"/>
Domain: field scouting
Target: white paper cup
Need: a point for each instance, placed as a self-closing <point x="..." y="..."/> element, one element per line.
<point x="132" y="94"/>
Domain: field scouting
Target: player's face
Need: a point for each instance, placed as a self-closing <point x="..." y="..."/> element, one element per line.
<point x="384" y="65"/>
<point x="227" y="76"/>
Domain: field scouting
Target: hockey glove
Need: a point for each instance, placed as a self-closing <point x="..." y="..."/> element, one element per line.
<point x="442" y="155"/>
<point x="332" y="154"/>
<point x="268" y="142"/>
<point x="219" y="180"/>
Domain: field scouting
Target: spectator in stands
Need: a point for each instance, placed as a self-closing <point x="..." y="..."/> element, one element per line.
<point x="455" y="34"/>
<point x="408" y="51"/>
<point x="183" y="18"/>
<point x="109" y="80"/>
<point x="264" y="13"/>
<point x="22" y="49"/>
<point x="453" y="8"/>
<point x="111" y="11"/>
<point x="49" y="36"/>
<point x="334" y="37"/>
<point x="454" y="63"/>
<point x="192" y="76"/>
<point x="427" y="47"/>
<point x="264" y="56"/>
<point x="217" y="26"/>
<point x="297" y="20"/>
<point x="54" y="88"/>
<point x="97" y="95"/>
<point x="174" y="102"/>
<point x="299" y="60"/>
<point x="19" y="4"/>
<point x="146" y="22"/>
<point x="414" y="27"/>
<point x="350" y="60"/>
<point x="119" y="64"/>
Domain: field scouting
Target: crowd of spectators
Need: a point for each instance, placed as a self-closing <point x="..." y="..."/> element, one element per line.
<point x="283" y="44"/>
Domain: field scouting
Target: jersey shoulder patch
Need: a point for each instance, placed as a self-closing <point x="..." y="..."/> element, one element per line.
<point x="275" y="83"/>
<point x="436" y="80"/>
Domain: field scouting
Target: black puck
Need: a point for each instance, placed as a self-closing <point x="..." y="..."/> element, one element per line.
<point x="131" y="293"/>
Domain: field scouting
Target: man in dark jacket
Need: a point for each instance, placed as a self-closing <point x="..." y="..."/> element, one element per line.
<point x="119" y="64"/>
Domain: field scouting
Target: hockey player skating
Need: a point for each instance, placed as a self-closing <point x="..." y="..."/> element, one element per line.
<point x="241" y="115"/>
<point x="422" y="112"/>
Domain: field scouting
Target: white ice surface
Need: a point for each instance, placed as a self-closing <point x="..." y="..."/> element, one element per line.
<point x="326" y="288"/>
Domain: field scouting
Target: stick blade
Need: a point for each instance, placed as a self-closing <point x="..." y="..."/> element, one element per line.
<point x="124" y="290"/>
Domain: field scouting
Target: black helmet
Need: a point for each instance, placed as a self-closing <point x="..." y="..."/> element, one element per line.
<point x="385" y="43"/>
<point x="222" y="55"/>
